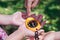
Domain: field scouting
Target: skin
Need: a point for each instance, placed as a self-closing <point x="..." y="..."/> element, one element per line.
<point x="52" y="36"/>
<point x="30" y="4"/>
<point x="5" y="19"/>
<point x="19" y="34"/>
<point x="49" y="36"/>
<point x="22" y="31"/>
<point x="17" y="19"/>
<point x="44" y="36"/>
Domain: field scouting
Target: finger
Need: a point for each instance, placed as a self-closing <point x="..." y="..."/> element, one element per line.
<point x="24" y="15"/>
<point x="31" y="33"/>
<point x="43" y="23"/>
<point x="30" y="38"/>
<point x="40" y="32"/>
<point x="27" y="39"/>
<point x="29" y="2"/>
<point x="34" y="16"/>
<point x="43" y="35"/>
<point x="17" y="18"/>
<point x="40" y="17"/>
<point x="35" y="3"/>
<point x="25" y="3"/>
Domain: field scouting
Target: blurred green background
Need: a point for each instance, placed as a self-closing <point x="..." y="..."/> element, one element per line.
<point x="50" y="9"/>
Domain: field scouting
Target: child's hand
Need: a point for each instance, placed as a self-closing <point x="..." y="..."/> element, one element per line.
<point x="20" y="33"/>
<point x="48" y="36"/>
<point x="18" y="19"/>
<point x="30" y="4"/>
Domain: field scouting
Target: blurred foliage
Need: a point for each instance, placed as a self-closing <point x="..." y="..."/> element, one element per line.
<point x="50" y="9"/>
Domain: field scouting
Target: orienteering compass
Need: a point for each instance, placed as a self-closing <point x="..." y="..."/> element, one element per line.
<point x="32" y="24"/>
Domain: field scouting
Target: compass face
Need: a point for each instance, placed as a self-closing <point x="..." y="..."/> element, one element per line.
<point x="32" y="24"/>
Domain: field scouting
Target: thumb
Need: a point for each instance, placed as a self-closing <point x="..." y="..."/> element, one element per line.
<point x="17" y="18"/>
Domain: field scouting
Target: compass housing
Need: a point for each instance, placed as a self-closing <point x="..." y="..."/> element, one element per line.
<point x="32" y="24"/>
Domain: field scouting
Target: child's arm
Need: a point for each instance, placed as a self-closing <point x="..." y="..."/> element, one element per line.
<point x="5" y="19"/>
<point x="17" y="35"/>
<point x="14" y="19"/>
